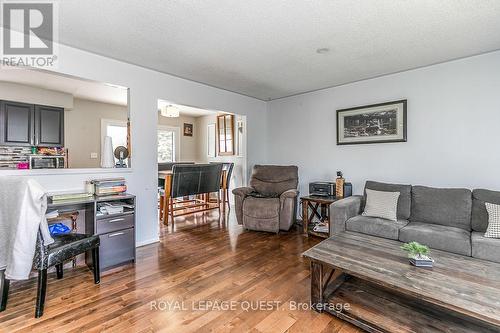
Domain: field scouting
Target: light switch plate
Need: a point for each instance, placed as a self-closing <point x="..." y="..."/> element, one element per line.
<point x="93" y="155"/>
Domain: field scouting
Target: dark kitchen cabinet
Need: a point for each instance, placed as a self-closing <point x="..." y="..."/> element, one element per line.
<point x="49" y="126"/>
<point x="24" y="124"/>
<point x="17" y="122"/>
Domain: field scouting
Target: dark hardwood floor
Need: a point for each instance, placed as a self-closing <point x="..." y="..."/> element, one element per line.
<point x="173" y="282"/>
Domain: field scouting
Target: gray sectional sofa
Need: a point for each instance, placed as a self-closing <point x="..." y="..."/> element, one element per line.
<point x="452" y="220"/>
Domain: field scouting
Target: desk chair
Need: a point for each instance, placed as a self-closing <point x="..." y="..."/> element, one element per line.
<point x="64" y="248"/>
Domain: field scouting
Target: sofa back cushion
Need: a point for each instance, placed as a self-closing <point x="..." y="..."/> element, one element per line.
<point x="479" y="213"/>
<point x="444" y="206"/>
<point x="274" y="179"/>
<point x="404" y="201"/>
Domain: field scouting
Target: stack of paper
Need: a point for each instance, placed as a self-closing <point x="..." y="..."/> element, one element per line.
<point x="109" y="186"/>
<point x="321" y="227"/>
<point x="52" y="215"/>
<point x="64" y="196"/>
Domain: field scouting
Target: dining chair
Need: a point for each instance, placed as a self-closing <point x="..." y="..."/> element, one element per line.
<point x="165" y="166"/>
<point x="64" y="248"/>
<point x="192" y="180"/>
<point x="228" y="167"/>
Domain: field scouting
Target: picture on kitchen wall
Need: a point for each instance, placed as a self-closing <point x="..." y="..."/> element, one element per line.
<point x="377" y="123"/>
<point x="188" y="129"/>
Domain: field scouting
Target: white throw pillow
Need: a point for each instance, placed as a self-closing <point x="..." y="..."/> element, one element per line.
<point x="382" y="204"/>
<point x="493" y="230"/>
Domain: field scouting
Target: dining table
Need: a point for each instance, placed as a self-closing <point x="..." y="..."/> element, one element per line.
<point x="166" y="177"/>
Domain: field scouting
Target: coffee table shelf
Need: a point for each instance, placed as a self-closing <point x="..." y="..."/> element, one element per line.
<point x="387" y="294"/>
<point x="378" y="310"/>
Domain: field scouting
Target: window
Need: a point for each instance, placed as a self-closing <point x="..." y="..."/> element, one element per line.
<point x="117" y="130"/>
<point x="225" y="125"/>
<point x="168" y="144"/>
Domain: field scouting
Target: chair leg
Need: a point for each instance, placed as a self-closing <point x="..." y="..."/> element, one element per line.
<point x="42" y="290"/>
<point x="59" y="271"/>
<point x="5" y="291"/>
<point x="172" y="212"/>
<point x="162" y="203"/>
<point x="227" y="199"/>
<point x="95" y="261"/>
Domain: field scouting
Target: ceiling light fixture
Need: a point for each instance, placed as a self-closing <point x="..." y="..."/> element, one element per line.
<point x="322" y="50"/>
<point x="169" y="111"/>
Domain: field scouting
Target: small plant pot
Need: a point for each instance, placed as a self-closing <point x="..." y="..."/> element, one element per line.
<point x="421" y="260"/>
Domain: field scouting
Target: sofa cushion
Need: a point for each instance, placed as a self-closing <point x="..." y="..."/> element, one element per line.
<point x="479" y="213"/>
<point x="381" y="204"/>
<point x="375" y="226"/>
<point x="448" y="207"/>
<point x="261" y="214"/>
<point x="404" y="201"/>
<point x="272" y="180"/>
<point x="485" y="248"/>
<point x="264" y="208"/>
<point x="439" y="237"/>
<point x="493" y="230"/>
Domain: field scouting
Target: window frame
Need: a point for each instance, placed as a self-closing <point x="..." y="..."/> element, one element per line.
<point x="177" y="139"/>
<point x="222" y="137"/>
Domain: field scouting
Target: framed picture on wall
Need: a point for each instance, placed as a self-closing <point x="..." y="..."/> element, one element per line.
<point x="188" y="129"/>
<point x="376" y="123"/>
<point x="211" y="140"/>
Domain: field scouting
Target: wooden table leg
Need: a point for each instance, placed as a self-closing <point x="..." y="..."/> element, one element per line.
<point x="323" y="212"/>
<point x="317" y="286"/>
<point x="166" y="198"/>
<point x="165" y="210"/>
<point x="305" y="220"/>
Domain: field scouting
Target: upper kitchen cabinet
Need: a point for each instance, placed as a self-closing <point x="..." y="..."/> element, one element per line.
<point x="49" y="126"/>
<point x="17" y="122"/>
<point x="24" y="124"/>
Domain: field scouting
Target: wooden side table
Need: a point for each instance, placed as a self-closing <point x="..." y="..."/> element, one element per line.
<point x="316" y="206"/>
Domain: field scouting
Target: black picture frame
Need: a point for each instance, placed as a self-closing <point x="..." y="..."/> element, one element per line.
<point x="188" y="129"/>
<point x="401" y="137"/>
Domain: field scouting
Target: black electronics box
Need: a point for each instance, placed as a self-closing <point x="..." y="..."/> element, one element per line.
<point x="327" y="189"/>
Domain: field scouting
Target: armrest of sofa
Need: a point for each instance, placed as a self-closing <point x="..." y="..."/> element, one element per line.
<point x="289" y="194"/>
<point x="288" y="209"/>
<point x="240" y="194"/>
<point x="343" y="210"/>
<point x="242" y="191"/>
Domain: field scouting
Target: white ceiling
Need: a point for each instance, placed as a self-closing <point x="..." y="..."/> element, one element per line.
<point x="185" y="110"/>
<point x="79" y="88"/>
<point x="267" y="48"/>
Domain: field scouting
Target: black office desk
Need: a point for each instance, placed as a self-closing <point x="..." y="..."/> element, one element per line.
<point x="116" y="231"/>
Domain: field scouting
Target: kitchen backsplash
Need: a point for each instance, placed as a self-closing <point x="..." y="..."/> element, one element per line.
<point x="10" y="157"/>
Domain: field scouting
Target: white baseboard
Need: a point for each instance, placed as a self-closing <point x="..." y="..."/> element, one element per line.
<point x="147" y="242"/>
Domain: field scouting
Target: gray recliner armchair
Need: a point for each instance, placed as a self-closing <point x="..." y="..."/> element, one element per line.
<point x="270" y="203"/>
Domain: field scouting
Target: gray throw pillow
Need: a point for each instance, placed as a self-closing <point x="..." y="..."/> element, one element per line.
<point x="493" y="230"/>
<point x="381" y="204"/>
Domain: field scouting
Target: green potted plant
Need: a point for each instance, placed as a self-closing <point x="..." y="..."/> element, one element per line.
<point x="418" y="254"/>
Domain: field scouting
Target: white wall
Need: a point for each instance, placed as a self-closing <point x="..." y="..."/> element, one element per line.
<point x="453" y="128"/>
<point x="10" y="91"/>
<point x="146" y="87"/>
<point x="82" y="130"/>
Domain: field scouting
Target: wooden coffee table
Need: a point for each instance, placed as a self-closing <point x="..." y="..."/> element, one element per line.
<point x="369" y="282"/>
